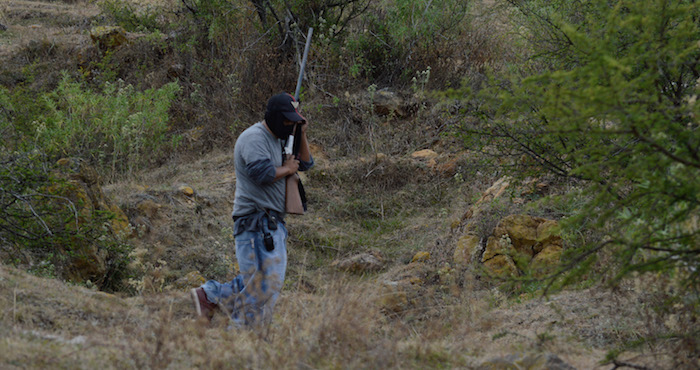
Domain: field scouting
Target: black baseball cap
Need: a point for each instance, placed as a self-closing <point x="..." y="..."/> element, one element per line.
<point x="286" y="104"/>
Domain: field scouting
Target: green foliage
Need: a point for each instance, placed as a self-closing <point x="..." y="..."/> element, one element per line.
<point x="118" y="129"/>
<point x="45" y="231"/>
<point x="615" y="108"/>
<point x="131" y="18"/>
<point x="404" y="38"/>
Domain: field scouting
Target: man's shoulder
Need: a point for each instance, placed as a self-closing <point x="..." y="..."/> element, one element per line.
<point x="255" y="132"/>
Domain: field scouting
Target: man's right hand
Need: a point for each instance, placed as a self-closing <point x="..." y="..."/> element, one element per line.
<point x="291" y="164"/>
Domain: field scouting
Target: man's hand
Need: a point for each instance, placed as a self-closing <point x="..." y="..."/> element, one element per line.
<point x="291" y="164"/>
<point x="289" y="167"/>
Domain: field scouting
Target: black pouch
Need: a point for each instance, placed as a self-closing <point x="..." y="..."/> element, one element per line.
<point x="269" y="242"/>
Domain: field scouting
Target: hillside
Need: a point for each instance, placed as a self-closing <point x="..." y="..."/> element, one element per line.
<point x="392" y="267"/>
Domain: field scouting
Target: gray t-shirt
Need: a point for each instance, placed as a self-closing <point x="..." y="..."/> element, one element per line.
<point x="257" y="154"/>
<point x="256" y="145"/>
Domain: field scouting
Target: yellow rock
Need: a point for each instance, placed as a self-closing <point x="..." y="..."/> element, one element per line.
<point x="424" y="154"/>
<point x="548" y="233"/>
<point x="108" y="36"/>
<point x="186" y="190"/>
<point x="502" y="265"/>
<point x="522" y="231"/>
<point x="547" y="260"/>
<point x="466" y="245"/>
<point x="421" y="257"/>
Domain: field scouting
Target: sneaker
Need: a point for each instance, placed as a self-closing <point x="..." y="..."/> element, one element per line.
<point x="202" y="306"/>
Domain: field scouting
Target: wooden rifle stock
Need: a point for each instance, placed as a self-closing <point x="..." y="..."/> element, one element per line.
<point x="295" y="197"/>
<point x="293" y="202"/>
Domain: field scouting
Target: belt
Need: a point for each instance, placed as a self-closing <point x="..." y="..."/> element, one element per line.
<point x="267" y="211"/>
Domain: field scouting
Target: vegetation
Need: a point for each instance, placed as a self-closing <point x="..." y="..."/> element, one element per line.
<point x="597" y="97"/>
<point x="611" y="103"/>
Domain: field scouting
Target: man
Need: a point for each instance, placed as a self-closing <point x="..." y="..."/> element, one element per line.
<point x="258" y="212"/>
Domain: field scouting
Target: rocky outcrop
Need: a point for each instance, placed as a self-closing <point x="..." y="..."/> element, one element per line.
<point x="530" y="243"/>
<point x="86" y="259"/>
<point x="518" y="242"/>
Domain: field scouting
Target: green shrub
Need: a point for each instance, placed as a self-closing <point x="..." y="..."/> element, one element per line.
<point x="131" y="18"/>
<point x="119" y="129"/>
<point x="611" y="104"/>
<point x="45" y="231"/>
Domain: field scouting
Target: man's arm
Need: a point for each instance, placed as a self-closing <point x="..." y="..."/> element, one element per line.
<point x="289" y="167"/>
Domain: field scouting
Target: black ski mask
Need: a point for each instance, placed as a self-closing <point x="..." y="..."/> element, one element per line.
<point x="280" y="107"/>
<point x="275" y="121"/>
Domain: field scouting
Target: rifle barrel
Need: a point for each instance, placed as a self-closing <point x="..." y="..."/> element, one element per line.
<point x="303" y="63"/>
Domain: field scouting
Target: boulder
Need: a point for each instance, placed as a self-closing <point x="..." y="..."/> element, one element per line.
<point x="548" y="233"/>
<point x="502" y="265"/>
<point x="108" y="37"/>
<point x="361" y="263"/>
<point x="522" y="231"/>
<point x="546" y="260"/>
<point x="467" y="251"/>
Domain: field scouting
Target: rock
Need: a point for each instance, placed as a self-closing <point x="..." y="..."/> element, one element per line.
<point x="546" y="261"/>
<point x="386" y="103"/>
<point x="108" y="37"/>
<point x="2" y="27"/>
<point x="468" y="248"/>
<point x="399" y="289"/>
<point x="86" y="260"/>
<point x="87" y="191"/>
<point x="425" y="154"/>
<point x="546" y="361"/>
<point x="534" y="240"/>
<point x="522" y="231"/>
<point x="548" y="233"/>
<point x="491" y="194"/>
<point x="186" y="190"/>
<point x="502" y="265"/>
<point x="496" y="245"/>
<point x="420" y="257"/>
<point x="361" y="263"/>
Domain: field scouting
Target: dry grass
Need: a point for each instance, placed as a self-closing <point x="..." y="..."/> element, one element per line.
<point x="47" y="323"/>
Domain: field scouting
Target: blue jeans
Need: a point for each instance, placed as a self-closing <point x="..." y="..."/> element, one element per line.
<point x="250" y="296"/>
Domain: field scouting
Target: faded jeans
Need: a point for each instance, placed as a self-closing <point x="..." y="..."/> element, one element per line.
<point x="250" y="297"/>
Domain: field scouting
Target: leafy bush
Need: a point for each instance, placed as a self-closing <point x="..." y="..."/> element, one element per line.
<point x="611" y="103"/>
<point x="130" y="17"/>
<point x="119" y="129"/>
<point x="45" y="231"/>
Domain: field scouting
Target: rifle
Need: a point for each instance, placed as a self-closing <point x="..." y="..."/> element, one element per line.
<point x="295" y="197"/>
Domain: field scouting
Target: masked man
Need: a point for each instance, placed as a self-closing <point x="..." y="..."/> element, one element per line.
<point x="258" y="213"/>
